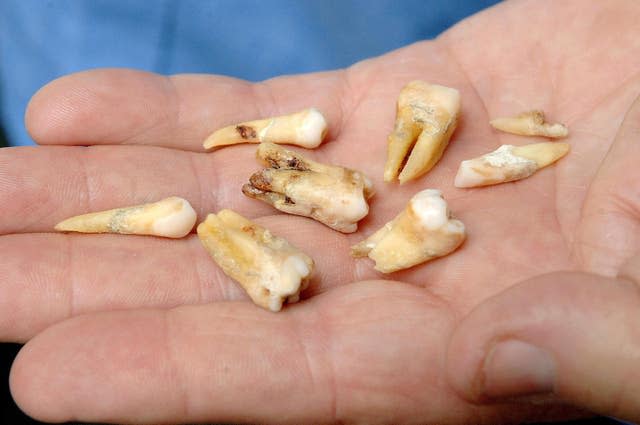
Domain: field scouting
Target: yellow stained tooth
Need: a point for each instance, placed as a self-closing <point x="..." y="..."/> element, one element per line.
<point x="333" y="195"/>
<point x="306" y="128"/>
<point x="509" y="163"/>
<point x="428" y="113"/>
<point x="171" y="218"/>
<point x="530" y="123"/>
<point x="270" y="270"/>
<point x="421" y="232"/>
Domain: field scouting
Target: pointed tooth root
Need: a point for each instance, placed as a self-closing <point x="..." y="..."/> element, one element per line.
<point x="268" y="268"/>
<point x="333" y="195"/>
<point x="400" y="142"/>
<point x="421" y="232"/>
<point x="530" y="123"/>
<point x="305" y="128"/>
<point x="171" y="218"/>
<point x="509" y="163"/>
<point x="428" y="112"/>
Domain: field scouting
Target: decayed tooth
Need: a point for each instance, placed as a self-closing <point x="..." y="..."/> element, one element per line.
<point x="333" y="195"/>
<point x="424" y="230"/>
<point x="508" y="163"/>
<point x="428" y="113"/>
<point x="530" y="123"/>
<point x="306" y="128"/>
<point x="269" y="269"/>
<point x="171" y="218"/>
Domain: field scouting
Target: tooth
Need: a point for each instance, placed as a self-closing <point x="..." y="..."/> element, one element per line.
<point x="424" y="230"/>
<point x="171" y="218"/>
<point x="333" y="195"/>
<point x="306" y="128"/>
<point x="428" y="113"/>
<point x="530" y="123"/>
<point x="508" y="163"/>
<point x="269" y="269"/>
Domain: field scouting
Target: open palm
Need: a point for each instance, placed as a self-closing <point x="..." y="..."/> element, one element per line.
<point x="141" y="329"/>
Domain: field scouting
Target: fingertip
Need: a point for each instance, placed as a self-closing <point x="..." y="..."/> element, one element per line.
<point x="95" y="107"/>
<point x="31" y="385"/>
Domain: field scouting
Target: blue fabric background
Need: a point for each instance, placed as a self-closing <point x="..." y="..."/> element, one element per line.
<point x="251" y="39"/>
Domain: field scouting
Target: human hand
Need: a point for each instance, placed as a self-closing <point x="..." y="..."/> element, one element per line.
<point x="185" y="344"/>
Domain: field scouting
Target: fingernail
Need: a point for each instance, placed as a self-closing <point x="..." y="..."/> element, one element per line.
<point x="515" y="368"/>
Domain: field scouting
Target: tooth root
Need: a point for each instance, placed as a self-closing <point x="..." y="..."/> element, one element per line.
<point x="543" y="154"/>
<point x="423" y="231"/>
<point x="270" y="270"/>
<point x="333" y="195"/>
<point x="530" y="123"/>
<point x="399" y="145"/>
<point x="509" y="163"/>
<point x="171" y="218"/>
<point x="428" y="112"/>
<point x="306" y="128"/>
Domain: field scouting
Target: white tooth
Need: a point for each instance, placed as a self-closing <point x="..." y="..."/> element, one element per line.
<point x="269" y="269"/>
<point x="306" y="128"/>
<point x="333" y="195"/>
<point x="171" y="218"/>
<point x="530" y="123"/>
<point x="426" y="116"/>
<point x="508" y="163"/>
<point x="423" y="231"/>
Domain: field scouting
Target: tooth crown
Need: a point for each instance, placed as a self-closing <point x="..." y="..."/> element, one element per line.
<point x="424" y="230"/>
<point x="171" y="217"/>
<point x="426" y="117"/>
<point x="269" y="269"/>
<point x="508" y="163"/>
<point x="530" y="123"/>
<point x="333" y="195"/>
<point x="306" y="128"/>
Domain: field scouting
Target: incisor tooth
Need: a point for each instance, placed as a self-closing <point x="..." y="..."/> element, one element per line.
<point x="269" y="269"/>
<point x="530" y="123"/>
<point x="306" y="128"/>
<point x="424" y="230"/>
<point x="333" y="195"/>
<point x="428" y="112"/>
<point x="171" y="218"/>
<point x="508" y="163"/>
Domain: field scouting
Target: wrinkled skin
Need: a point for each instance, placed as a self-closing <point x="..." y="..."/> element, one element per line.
<point x="139" y="329"/>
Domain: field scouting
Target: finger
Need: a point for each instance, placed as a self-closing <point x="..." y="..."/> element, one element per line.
<point x="573" y="335"/>
<point x="46" y="278"/>
<point x="120" y="106"/>
<point x="40" y="187"/>
<point x="609" y="233"/>
<point x="346" y="356"/>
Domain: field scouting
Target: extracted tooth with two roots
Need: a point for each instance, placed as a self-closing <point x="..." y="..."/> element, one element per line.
<point x="428" y="113"/>
<point x="269" y="269"/>
<point x="306" y="128"/>
<point x="333" y="195"/>
<point x="509" y="163"/>
<point x="530" y="123"/>
<point x="171" y="218"/>
<point x="424" y="230"/>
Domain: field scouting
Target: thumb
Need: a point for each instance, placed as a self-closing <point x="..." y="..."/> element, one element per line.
<point x="574" y="335"/>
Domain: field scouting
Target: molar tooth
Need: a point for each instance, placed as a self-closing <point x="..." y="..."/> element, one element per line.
<point x="171" y="218"/>
<point x="428" y="113"/>
<point x="333" y="195"/>
<point x="508" y="163"/>
<point x="269" y="269"/>
<point x="306" y="128"/>
<point x="424" y="230"/>
<point x="530" y="123"/>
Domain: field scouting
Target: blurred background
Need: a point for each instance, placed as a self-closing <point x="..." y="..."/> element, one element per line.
<point x="41" y="40"/>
